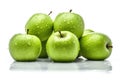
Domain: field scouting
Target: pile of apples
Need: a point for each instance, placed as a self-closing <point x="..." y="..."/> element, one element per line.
<point x="63" y="40"/>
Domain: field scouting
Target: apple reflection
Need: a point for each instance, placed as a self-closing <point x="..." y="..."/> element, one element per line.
<point x="95" y="65"/>
<point x="40" y="64"/>
<point x="46" y="64"/>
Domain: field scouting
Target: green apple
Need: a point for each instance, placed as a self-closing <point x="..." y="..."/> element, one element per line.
<point x="68" y="21"/>
<point x="87" y="31"/>
<point x="63" y="46"/>
<point x="43" y="53"/>
<point x="40" y="25"/>
<point x="96" y="46"/>
<point x="24" y="47"/>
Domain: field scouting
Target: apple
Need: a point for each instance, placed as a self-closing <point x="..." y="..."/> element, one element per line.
<point x="68" y="21"/>
<point x="96" y="46"/>
<point x="62" y="46"/>
<point x="24" y="47"/>
<point x="43" y="53"/>
<point x="40" y="25"/>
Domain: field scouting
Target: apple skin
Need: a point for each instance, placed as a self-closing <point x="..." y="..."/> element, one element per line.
<point x="63" y="49"/>
<point x="23" y="47"/>
<point x="40" y="25"/>
<point x="86" y="32"/>
<point x="96" y="46"/>
<point x="68" y="21"/>
<point x="43" y="53"/>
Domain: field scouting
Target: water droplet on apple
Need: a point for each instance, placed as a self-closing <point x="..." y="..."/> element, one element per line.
<point x="29" y="43"/>
<point x="37" y="26"/>
<point x="38" y="32"/>
<point x="68" y="22"/>
<point x="15" y="43"/>
<point x="64" y="20"/>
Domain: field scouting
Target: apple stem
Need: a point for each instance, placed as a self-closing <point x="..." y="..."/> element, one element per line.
<point x="60" y="34"/>
<point x="27" y="31"/>
<point x="50" y="12"/>
<point x="108" y="46"/>
<point x="70" y="10"/>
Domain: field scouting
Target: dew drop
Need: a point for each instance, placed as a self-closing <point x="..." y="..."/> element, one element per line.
<point x="38" y="32"/>
<point x="68" y="22"/>
<point x="37" y="26"/>
<point x="29" y="43"/>
<point x="15" y="43"/>
<point x="71" y="21"/>
<point x="64" y="20"/>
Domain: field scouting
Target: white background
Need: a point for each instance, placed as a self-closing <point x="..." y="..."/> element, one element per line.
<point x="99" y="15"/>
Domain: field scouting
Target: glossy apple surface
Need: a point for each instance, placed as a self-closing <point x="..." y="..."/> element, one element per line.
<point x="63" y="46"/>
<point x="40" y="25"/>
<point x="68" y="21"/>
<point x="25" y="47"/>
<point x="96" y="46"/>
